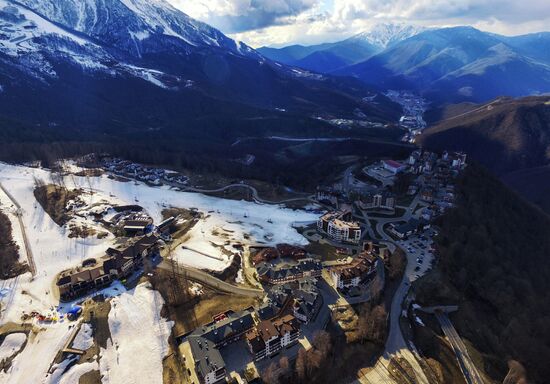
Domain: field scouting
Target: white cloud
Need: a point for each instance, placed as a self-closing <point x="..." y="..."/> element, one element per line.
<point x="245" y="15"/>
<point x="280" y="22"/>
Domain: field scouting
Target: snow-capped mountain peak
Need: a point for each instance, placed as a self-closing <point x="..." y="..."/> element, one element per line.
<point x="110" y="36"/>
<point x="126" y="23"/>
<point x="385" y="34"/>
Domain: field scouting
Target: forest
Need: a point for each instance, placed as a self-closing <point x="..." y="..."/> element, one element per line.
<point x="9" y="251"/>
<point x="493" y="251"/>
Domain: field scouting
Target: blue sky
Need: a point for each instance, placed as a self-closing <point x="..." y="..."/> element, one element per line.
<point x="283" y="22"/>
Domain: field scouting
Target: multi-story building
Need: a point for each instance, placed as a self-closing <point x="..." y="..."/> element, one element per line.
<point x="208" y="364"/>
<point x="344" y="231"/>
<point x="384" y="200"/>
<point x="354" y="273"/>
<point x="98" y="273"/>
<point x="201" y="347"/>
<point x="327" y="196"/>
<point x="301" y="296"/>
<point x="269" y="337"/>
<point x="393" y="166"/>
<point x="339" y="227"/>
<point x="284" y="273"/>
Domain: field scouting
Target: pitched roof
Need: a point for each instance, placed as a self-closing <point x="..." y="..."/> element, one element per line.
<point x="207" y="357"/>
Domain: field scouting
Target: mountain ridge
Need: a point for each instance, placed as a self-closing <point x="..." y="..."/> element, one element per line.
<point x="342" y="53"/>
<point x="160" y="45"/>
<point x="504" y="135"/>
<point x="458" y="64"/>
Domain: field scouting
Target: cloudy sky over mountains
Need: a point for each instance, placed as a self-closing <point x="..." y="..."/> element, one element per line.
<point x="281" y="22"/>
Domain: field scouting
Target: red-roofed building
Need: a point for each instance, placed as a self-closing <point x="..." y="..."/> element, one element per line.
<point x="393" y="166"/>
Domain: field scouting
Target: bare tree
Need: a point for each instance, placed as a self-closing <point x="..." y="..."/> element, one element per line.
<point x="371" y="325"/>
<point x="322" y="343"/>
<point x="397" y="264"/>
<point x="271" y="374"/>
<point x="301" y="364"/>
<point x="516" y="373"/>
<point x="284" y="363"/>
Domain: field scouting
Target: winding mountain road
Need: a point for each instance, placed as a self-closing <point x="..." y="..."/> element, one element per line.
<point x="396" y="346"/>
<point x="252" y="189"/>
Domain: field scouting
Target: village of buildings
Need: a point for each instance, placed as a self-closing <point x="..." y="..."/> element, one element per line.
<point x="358" y="222"/>
<point x="412" y="120"/>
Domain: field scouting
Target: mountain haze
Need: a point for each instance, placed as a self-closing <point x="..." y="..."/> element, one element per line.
<point x="460" y="64"/>
<point x="329" y="57"/>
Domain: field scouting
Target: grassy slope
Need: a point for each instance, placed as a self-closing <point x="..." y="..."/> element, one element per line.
<point x="494" y="263"/>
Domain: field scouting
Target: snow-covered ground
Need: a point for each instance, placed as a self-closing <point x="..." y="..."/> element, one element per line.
<point x="139" y="338"/>
<point x="53" y="250"/>
<point x="139" y="335"/>
<point x="12" y="344"/>
<point x="31" y="365"/>
<point x="225" y="220"/>
<point x="9" y="209"/>
<point x="84" y="338"/>
<point x="73" y="374"/>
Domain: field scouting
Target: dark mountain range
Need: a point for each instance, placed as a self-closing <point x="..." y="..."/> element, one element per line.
<point x="461" y="64"/>
<point x="504" y="135"/>
<point x="139" y="65"/>
<point x="510" y="137"/>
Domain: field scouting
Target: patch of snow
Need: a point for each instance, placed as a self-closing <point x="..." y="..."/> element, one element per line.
<point x="140" y="35"/>
<point x="74" y="373"/>
<point x="139" y="338"/>
<point x="33" y="363"/>
<point x="84" y="338"/>
<point x="383" y="35"/>
<point x="419" y="321"/>
<point x="146" y="74"/>
<point x="59" y="369"/>
<point x="43" y="25"/>
<point x="224" y="221"/>
<point x="12" y="344"/>
<point x="196" y="289"/>
<point x="239" y="278"/>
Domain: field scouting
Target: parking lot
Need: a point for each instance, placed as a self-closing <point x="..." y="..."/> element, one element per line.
<point x="419" y="253"/>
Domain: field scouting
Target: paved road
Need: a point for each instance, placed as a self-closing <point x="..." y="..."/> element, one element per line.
<point x="396" y="346"/>
<point x="208" y="280"/>
<point x="252" y="189"/>
<point x="469" y="370"/>
<point x="19" y="214"/>
<point x="409" y="213"/>
<point x="324" y="139"/>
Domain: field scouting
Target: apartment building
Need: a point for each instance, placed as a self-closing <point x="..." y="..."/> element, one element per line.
<point x="117" y="263"/>
<point x="339" y="227"/>
<point x="269" y="337"/>
<point x="357" y="271"/>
